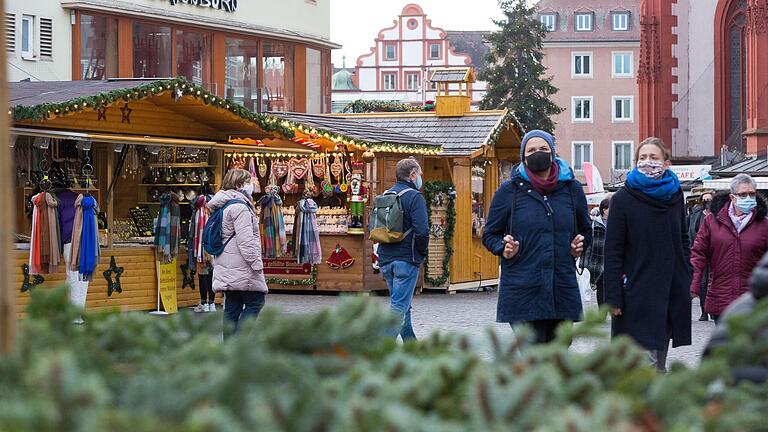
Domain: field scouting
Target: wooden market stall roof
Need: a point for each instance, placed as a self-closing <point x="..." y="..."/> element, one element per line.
<point x="458" y="136"/>
<point x="379" y="139"/>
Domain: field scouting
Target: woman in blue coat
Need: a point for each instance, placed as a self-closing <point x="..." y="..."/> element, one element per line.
<point x="647" y="256"/>
<point x="538" y="223"/>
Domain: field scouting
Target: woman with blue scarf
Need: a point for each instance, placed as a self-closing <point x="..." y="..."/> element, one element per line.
<point x="647" y="256"/>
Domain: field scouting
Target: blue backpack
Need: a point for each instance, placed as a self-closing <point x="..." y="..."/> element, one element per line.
<point x="213" y="237"/>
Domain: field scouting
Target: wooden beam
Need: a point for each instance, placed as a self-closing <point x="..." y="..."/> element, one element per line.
<point x="77" y="67"/>
<point x="125" y="47"/>
<point x="7" y="291"/>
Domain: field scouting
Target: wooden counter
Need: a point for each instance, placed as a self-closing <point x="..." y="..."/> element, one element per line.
<point x="139" y="281"/>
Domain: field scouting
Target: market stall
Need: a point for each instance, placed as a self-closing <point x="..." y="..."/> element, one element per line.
<point x="480" y="149"/>
<point x="144" y="150"/>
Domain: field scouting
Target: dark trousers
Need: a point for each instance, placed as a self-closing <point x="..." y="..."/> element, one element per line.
<point x="205" y="283"/>
<point x="241" y="305"/>
<point x="543" y="330"/>
<point x="600" y="291"/>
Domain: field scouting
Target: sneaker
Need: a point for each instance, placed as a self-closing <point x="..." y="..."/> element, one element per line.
<point x="211" y="307"/>
<point x="200" y="308"/>
<point x="78" y="321"/>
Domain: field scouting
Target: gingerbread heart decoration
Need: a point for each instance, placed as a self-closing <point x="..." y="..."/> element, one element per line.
<point x="336" y="168"/>
<point x="299" y="168"/>
<point x="279" y="168"/>
<point x="318" y="168"/>
<point x="262" y="168"/>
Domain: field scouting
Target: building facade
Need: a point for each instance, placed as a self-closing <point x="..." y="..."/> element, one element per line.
<point x="399" y="65"/>
<point x="591" y="50"/>
<point x="703" y="76"/>
<point x="266" y="58"/>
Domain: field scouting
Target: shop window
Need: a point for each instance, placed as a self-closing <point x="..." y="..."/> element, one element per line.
<point x="27" y="37"/>
<point x="478" y="198"/>
<point x="241" y="77"/>
<point x="193" y="56"/>
<point x="98" y="47"/>
<point x="278" y="69"/>
<point x="151" y="50"/>
<point x="314" y="81"/>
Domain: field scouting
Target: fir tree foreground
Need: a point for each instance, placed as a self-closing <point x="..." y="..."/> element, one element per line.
<point x="335" y="371"/>
<point x="515" y="73"/>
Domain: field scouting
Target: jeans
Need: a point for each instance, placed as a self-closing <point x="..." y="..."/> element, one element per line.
<point x="239" y="305"/>
<point x="401" y="280"/>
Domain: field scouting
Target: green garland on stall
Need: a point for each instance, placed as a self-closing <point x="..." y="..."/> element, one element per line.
<point x="430" y="190"/>
<point x="501" y="126"/>
<point x="308" y="281"/>
<point x="370" y="106"/>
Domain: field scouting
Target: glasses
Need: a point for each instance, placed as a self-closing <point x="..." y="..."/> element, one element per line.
<point x="746" y="195"/>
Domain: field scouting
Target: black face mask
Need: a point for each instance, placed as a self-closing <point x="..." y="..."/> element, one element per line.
<point x="707" y="204"/>
<point x="539" y="161"/>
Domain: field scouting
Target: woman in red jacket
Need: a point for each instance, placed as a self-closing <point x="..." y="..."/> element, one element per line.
<point x="731" y="241"/>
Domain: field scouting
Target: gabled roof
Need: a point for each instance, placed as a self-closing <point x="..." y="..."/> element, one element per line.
<point x="453" y="75"/>
<point x="358" y="130"/>
<point x="459" y="136"/>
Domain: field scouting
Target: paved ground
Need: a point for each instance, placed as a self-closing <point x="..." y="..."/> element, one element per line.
<point x="472" y="312"/>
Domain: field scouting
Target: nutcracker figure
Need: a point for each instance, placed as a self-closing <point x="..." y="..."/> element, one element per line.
<point x="358" y="197"/>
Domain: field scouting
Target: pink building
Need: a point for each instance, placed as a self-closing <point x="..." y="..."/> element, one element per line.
<point x="592" y="51"/>
<point x="402" y="59"/>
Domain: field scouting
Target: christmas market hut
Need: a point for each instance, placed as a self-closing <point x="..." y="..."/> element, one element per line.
<point x="479" y="150"/>
<point x="132" y="157"/>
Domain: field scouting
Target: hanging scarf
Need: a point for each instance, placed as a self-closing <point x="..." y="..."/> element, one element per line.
<point x="272" y="226"/>
<point x="544" y="186"/>
<point x="198" y="260"/>
<point x="168" y="227"/>
<point x="89" y="245"/>
<point x="46" y="248"/>
<point x="77" y="233"/>
<point x="308" y="239"/>
<point x="662" y="189"/>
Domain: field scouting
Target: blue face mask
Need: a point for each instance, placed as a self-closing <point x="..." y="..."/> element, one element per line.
<point x="746" y="204"/>
<point x="419" y="182"/>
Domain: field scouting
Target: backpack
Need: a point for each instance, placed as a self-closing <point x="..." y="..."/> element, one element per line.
<point x="213" y="237"/>
<point x="386" y="222"/>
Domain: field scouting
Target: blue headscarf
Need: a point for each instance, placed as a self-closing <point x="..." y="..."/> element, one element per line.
<point x="662" y="189"/>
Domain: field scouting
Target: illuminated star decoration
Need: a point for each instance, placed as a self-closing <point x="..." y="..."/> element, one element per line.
<point x="26" y="285"/>
<point x="113" y="285"/>
<point x="177" y="94"/>
<point x="188" y="277"/>
<point x="102" y="114"/>
<point x="126" y="114"/>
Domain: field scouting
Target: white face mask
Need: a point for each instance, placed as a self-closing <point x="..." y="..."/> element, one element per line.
<point x="248" y="189"/>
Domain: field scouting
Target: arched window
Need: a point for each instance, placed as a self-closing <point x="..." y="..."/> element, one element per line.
<point x="735" y="77"/>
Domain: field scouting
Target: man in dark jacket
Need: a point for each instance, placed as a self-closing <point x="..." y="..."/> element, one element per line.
<point x="400" y="262"/>
<point x="694" y="223"/>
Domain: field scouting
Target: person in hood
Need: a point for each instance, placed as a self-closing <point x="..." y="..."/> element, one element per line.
<point x="647" y="256"/>
<point x="239" y="270"/>
<point x="594" y="255"/>
<point x="731" y="241"/>
<point x="538" y="223"/>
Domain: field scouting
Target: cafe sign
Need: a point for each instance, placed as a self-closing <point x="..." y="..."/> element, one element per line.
<point x="692" y="172"/>
<point x="225" y="5"/>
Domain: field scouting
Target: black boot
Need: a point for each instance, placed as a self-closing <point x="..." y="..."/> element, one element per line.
<point x="704" y="317"/>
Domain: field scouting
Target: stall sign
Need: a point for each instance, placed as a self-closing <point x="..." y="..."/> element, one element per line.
<point x="285" y="266"/>
<point x="225" y="5"/>
<point x="692" y="172"/>
<point x="166" y="285"/>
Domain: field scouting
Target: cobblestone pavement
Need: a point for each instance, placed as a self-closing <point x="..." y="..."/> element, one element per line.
<point x="472" y="312"/>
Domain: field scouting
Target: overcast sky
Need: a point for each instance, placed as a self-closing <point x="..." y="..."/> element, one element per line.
<point x="356" y="23"/>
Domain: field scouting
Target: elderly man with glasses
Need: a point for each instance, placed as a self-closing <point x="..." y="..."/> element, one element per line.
<point x="730" y="242"/>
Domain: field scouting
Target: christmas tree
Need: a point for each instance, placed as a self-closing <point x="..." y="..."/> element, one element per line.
<point x="336" y="371"/>
<point x="515" y="73"/>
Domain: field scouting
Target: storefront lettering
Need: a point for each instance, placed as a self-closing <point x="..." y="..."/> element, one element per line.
<point x="225" y="5"/>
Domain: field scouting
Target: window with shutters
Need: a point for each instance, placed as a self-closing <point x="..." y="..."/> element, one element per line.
<point x="46" y="39"/>
<point x="27" y="37"/>
<point x="10" y="32"/>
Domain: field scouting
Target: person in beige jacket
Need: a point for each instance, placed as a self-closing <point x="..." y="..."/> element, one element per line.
<point x="238" y="271"/>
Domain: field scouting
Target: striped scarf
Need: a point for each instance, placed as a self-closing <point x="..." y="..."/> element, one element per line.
<point x="306" y="236"/>
<point x="198" y="260"/>
<point x="168" y="227"/>
<point x="272" y="226"/>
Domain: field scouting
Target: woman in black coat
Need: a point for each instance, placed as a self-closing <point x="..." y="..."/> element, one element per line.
<point x="594" y="255"/>
<point x="647" y="256"/>
<point x="538" y="223"/>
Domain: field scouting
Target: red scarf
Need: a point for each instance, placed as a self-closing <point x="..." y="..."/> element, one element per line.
<point x="547" y="185"/>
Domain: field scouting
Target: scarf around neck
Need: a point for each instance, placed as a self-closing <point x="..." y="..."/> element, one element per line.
<point x="662" y="189"/>
<point x="544" y="185"/>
